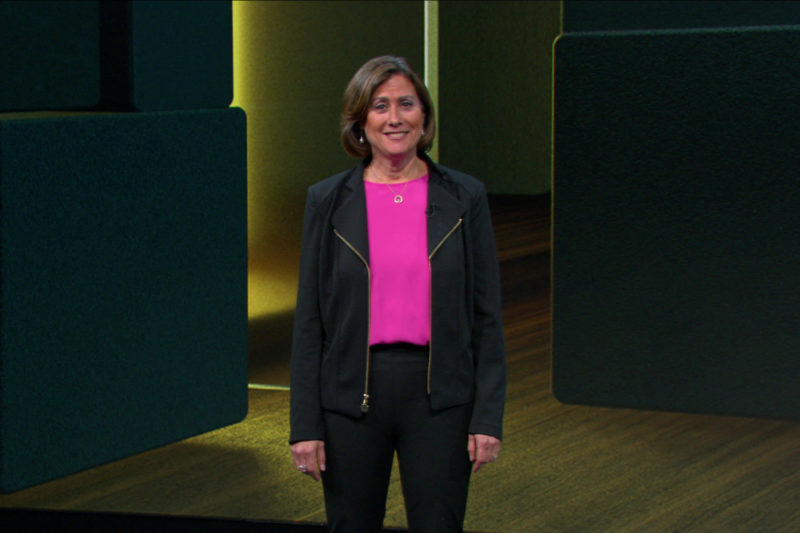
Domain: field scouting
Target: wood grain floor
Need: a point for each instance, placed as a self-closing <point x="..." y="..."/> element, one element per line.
<point x="563" y="468"/>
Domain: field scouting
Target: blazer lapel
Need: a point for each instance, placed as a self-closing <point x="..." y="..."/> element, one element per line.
<point x="350" y="217"/>
<point x="444" y="210"/>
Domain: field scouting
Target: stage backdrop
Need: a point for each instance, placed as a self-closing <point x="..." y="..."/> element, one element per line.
<point x="676" y="228"/>
<point x="123" y="300"/>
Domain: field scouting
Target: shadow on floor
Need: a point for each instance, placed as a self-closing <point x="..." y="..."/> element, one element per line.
<point x="270" y="348"/>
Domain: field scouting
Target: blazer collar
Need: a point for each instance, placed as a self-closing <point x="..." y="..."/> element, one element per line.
<point x="444" y="207"/>
<point x="350" y="216"/>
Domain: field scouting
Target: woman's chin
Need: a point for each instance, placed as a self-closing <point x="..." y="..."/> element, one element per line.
<point x="394" y="151"/>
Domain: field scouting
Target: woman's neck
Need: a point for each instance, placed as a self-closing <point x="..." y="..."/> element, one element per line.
<point x="395" y="170"/>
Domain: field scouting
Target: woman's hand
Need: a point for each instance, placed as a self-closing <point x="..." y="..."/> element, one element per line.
<point x="482" y="449"/>
<point x="309" y="457"/>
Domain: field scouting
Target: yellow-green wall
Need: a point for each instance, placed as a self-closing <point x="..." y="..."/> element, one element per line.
<point x="292" y="60"/>
<point x="292" y="63"/>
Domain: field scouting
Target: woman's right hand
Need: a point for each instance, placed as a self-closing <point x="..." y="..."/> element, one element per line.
<point x="309" y="457"/>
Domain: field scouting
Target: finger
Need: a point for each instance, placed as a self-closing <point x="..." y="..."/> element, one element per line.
<point x="485" y="452"/>
<point x="309" y="468"/>
<point x="482" y="459"/>
<point x="489" y="447"/>
<point x="301" y="456"/>
<point x="312" y="466"/>
<point x="495" y="452"/>
<point x="321" y="457"/>
<point x="489" y="452"/>
<point x="302" y="460"/>
<point x="314" y="473"/>
<point x="305" y="456"/>
<point x="471" y="448"/>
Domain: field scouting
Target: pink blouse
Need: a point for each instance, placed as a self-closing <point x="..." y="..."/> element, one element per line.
<point x="398" y="261"/>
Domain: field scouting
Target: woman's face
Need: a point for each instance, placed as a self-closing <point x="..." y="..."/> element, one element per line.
<point x="395" y="118"/>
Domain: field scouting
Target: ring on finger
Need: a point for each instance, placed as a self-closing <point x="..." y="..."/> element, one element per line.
<point x="302" y="468"/>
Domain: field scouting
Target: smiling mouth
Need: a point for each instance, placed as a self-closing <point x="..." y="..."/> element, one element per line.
<point x="395" y="134"/>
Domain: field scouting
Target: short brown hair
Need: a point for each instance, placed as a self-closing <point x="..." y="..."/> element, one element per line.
<point x="358" y="96"/>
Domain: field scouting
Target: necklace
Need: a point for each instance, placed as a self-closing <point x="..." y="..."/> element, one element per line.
<point x="398" y="196"/>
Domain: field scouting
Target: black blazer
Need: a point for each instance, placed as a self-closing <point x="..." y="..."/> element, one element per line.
<point x="330" y="345"/>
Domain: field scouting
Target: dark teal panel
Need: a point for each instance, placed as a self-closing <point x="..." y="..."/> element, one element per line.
<point x="615" y="15"/>
<point x="181" y="54"/>
<point x="124" y="55"/>
<point x="167" y="54"/>
<point x="676" y="229"/>
<point x="495" y="68"/>
<point x="49" y="55"/>
<point x="124" y="286"/>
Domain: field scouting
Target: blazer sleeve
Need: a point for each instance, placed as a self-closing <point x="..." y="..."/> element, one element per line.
<point x="488" y="344"/>
<point x="307" y="335"/>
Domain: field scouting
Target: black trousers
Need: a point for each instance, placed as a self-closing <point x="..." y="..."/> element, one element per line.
<point x="431" y="451"/>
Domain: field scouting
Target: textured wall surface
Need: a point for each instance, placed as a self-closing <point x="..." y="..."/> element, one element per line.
<point x="676" y="233"/>
<point x="125" y="55"/>
<point x="123" y="323"/>
<point x="624" y="15"/>
<point x="124" y="290"/>
<point x="49" y="55"/>
<point x="495" y="83"/>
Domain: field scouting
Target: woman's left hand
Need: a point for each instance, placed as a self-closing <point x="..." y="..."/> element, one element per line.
<point x="482" y="449"/>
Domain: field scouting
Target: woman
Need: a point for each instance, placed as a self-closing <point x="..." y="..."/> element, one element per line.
<point x="398" y="341"/>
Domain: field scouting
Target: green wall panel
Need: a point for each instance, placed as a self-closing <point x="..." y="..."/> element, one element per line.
<point x="160" y="55"/>
<point x="676" y="228"/>
<point x="127" y="55"/>
<point x="123" y="323"/>
<point x="495" y="73"/>
<point x="623" y="15"/>
<point x="49" y="55"/>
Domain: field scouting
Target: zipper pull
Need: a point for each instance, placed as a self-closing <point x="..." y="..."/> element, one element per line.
<point x="365" y="403"/>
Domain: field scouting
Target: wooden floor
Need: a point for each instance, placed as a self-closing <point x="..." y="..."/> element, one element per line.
<point x="562" y="468"/>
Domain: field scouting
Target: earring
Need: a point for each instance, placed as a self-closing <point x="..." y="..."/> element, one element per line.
<point x="423" y="133"/>
<point x="361" y="139"/>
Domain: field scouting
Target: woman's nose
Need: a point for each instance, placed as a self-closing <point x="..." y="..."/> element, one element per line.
<point x="394" y="116"/>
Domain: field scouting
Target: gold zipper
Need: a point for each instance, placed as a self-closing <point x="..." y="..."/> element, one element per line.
<point x="365" y="396"/>
<point x="430" y="299"/>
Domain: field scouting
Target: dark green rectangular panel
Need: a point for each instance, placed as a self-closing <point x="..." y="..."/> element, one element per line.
<point x="181" y="54"/>
<point x="623" y="15"/>
<point x="123" y="323"/>
<point x="49" y="55"/>
<point x="123" y="55"/>
<point x="495" y="69"/>
<point x="676" y="227"/>
<point x="166" y="54"/>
